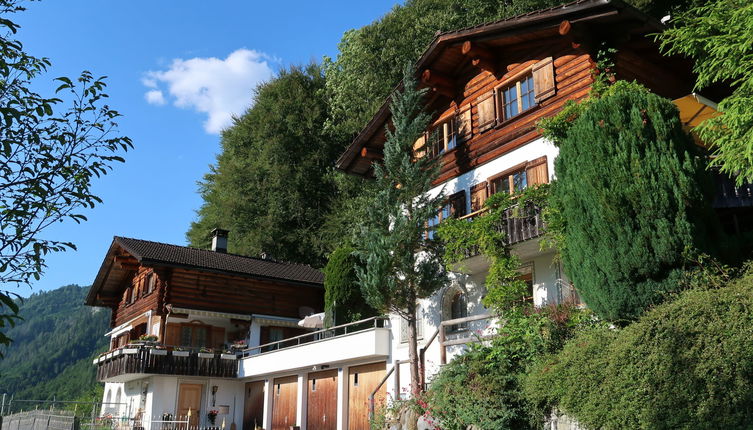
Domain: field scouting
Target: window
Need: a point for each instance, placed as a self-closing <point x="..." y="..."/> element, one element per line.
<point x="442" y="137"/>
<point x="151" y="282"/>
<point x="526" y="275"/>
<point x="419" y="326"/>
<point x="454" y="306"/>
<point x="518" y="178"/>
<point x="453" y="208"/>
<point x="517" y="97"/>
<point x="194" y="335"/>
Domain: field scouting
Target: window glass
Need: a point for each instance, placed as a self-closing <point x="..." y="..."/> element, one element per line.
<point x="527" y="95"/>
<point x="519" y="181"/>
<point x="510" y="98"/>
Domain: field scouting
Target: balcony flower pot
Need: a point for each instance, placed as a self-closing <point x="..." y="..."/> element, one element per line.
<point x="158" y="352"/>
<point x="206" y="355"/>
<point x="228" y="356"/>
<point x="117" y="352"/>
<point x="180" y="353"/>
<point x="130" y="351"/>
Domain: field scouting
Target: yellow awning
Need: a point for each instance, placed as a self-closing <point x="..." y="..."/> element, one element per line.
<point x="694" y="109"/>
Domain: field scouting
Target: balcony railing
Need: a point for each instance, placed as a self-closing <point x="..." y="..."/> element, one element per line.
<point x="328" y="333"/>
<point x="138" y="360"/>
<point x="517" y="223"/>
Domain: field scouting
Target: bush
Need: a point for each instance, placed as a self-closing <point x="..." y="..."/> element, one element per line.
<point x="343" y="302"/>
<point x="685" y="364"/>
<point x="482" y="386"/>
<point x="631" y="192"/>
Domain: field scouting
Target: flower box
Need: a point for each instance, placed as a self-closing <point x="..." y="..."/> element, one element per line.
<point x="158" y="352"/>
<point x="108" y="356"/>
<point x="117" y="352"/>
<point x="206" y="355"/>
<point x="180" y="353"/>
<point x="228" y="356"/>
<point x="130" y="351"/>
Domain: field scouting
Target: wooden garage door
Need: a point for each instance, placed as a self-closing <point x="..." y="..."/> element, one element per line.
<point x="284" y="402"/>
<point x="322" y="401"/>
<point x="361" y="382"/>
<point x="253" y="406"/>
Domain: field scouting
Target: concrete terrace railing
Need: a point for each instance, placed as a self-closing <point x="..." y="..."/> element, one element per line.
<point x="368" y="338"/>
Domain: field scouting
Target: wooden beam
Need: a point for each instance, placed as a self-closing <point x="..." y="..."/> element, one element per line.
<point x="371" y="154"/>
<point x="565" y="27"/>
<point x="435" y="79"/>
<point x="480" y="56"/>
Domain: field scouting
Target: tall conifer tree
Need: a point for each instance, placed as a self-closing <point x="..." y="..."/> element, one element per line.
<point x="632" y="193"/>
<point x="400" y="266"/>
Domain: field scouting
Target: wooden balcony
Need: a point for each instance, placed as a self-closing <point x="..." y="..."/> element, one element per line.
<point x="135" y="362"/>
<point x="518" y="224"/>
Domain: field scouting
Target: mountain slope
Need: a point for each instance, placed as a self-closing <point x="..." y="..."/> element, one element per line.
<point x="53" y="346"/>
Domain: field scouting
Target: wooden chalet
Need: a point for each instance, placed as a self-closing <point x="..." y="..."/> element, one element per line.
<point x="488" y="85"/>
<point x="194" y="299"/>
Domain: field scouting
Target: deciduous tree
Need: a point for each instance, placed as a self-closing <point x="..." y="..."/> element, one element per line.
<point x="51" y="149"/>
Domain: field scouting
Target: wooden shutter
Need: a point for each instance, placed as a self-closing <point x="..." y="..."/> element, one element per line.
<point x="218" y="337"/>
<point x="543" y="79"/>
<point x="536" y="172"/>
<point x="464" y="125"/>
<point x="486" y="111"/>
<point x="172" y="335"/>
<point x="478" y="196"/>
<point x="419" y="151"/>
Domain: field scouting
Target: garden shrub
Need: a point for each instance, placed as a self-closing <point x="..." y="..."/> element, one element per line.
<point x="482" y="386"/>
<point x="632" y="195"/>
<point x="684" y="364"/>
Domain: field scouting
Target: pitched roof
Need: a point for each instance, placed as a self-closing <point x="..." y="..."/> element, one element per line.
<point x="512" y="27"/>
<point x="147" y="251"/>
<point x="110" y="276"/>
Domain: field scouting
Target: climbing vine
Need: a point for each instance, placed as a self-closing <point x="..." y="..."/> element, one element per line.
<point x="486" y="233"/>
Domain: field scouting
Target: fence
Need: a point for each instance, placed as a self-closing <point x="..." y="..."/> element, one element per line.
<point x="16" y="414"/>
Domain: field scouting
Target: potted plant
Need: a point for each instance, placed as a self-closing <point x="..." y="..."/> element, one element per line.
<point x="212" y="416"/>
<point x="180" y="352"/>
<point x="159" y="350"/>
<point x="206" y="353"/>
<point x="239" y="345"/>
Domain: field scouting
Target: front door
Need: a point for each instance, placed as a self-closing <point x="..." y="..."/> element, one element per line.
<point x="253" y="412"/>
<point x="189" y="399"/>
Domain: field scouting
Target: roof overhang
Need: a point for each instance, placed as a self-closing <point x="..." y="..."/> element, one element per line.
<point x="108" y="284"/>
<point x="508" y="32"/>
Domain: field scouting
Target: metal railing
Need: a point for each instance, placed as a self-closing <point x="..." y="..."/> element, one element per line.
<point x="324" y="334"/>
<point x="24" y="414"/>
<point x="517" y="223"/>
<point x="441" y="334"/>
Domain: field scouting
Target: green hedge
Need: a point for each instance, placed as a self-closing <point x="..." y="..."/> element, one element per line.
<point x="632" y="193"/>
<point x="685" y="364"/>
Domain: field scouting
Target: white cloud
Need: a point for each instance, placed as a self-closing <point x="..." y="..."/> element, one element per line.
<point x="155" y="97"/>
<point x="219" y="88"/>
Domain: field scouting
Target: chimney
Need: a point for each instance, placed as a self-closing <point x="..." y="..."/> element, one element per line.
<point x="219" y="240"/>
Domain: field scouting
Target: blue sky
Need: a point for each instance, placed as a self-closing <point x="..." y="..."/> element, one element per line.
<point x="176" y="71"/>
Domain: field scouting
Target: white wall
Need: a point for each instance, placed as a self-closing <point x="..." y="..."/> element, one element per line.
<point x="530" y="151"/>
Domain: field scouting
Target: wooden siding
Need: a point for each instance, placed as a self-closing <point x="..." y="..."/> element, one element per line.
<point x="362" y="380"/>
<point x="144" y="300"/>
<point x="322" y="401"/>
<point x="284" y="403"/>
<point x="253" y="406"/>
<point x="572" y="74"/>
<point x="219" y="292"/>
